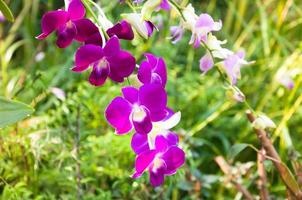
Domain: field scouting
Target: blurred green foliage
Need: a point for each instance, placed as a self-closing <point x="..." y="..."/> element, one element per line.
<point x="38" y="157"/>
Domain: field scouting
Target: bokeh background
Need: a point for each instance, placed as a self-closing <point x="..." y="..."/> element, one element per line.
<point x="45" y="157"/>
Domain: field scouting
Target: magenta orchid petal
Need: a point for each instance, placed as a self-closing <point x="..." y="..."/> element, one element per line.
<point x="130" y="94"/>
<point x="87" y="55"/>
<point x="95" y="39"/>
<point x="151" y="59"/>
<point x="161" y="143"/>
<point x="123" y="64"/>
<point x="157" y="177"/>
<point x="112" y="47"/>
<point x="172" y="138"/>
<point x="51" y="21"/>
<point x="76" y="10"/>
<point x="153" y="70"/>
<point x="66" y="34"/>
<point x="144" y="72"/>
<point x="139" y="143"/>
<point x="150" y="27"/>
<point x="99" y="74"/>
<point x="142" y="121"/>
<point x="154" y="98"/>
<point x="122" y="30"/>
<point x="174" y="158"/>
<point x="161" y="70"/>
<point x="118" y="115"/>
<point x="165" y="5"/>
<point x="143" y="161"/>
<point x="87" y="29"/>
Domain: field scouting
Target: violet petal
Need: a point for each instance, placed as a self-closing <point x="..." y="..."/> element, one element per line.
<point x="139" y="143"/>
<point x="117" y="114"/>
<point x="51" y="21"/>
<point x="76" y="10"/>
<point x="130" y="94"/>
<point x="154" y="98"/>
<point x="87" y="55"/>
<point x="174" y="158"/>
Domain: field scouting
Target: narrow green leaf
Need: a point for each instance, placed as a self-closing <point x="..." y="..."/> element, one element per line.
<point x="13" y="111"/>
<point x="6" y="11"/>
<point x="236" y="149"/>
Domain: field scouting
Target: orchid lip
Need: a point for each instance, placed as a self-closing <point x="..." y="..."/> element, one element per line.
<point x="138" y="113"/>
<point x="102" y="63"/>
<point x="157" y="163"/>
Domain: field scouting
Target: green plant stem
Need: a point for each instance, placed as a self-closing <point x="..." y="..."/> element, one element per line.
<point x="178" y="8"/>
<point x="225" y="79"/>
<point x="131" y="6"/>
<point x="86" y="4"/>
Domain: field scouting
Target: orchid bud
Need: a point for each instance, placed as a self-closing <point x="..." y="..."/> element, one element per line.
<point x="142" y="27"/>
<point x="149" y="7"/>
<point x="263" y="122"/>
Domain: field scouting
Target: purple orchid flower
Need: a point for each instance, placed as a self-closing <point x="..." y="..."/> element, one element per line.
<point x="137" y="108"/>
<point x="153" y="70"/>
<point x="177" y="33"/>
<point x="70" y="25"/>
<point x="232" y="65"/>
<point x="143" y="28"/>
<point x="109" y="61"/>
<point x="204" y="25"/>
<point x="143" y="142"/>
<point x="122" y="30"/>
<point x="161" y="161"/>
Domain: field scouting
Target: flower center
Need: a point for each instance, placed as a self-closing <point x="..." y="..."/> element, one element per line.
<point x="157" y="163"/>
<point x="69" y="24"/>
<point x="103" y="63"/>
<point x="138" y="113"/>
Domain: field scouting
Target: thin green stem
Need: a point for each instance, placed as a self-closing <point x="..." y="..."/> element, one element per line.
<point x="131" y="6"/>
<point x="178" y="8"/>
<point x="86" y="4"/>
<point x="128" y="81"/>
<point x="226" y="80"/>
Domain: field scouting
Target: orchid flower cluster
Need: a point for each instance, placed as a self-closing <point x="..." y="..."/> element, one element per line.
<point x="142" y="109"/>
<point x="201" y="28"/>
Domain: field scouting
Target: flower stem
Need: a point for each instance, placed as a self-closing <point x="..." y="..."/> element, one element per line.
<point x="178" y="8"/>
<point x="226" y="80"/>
<point x="89" y="9"/>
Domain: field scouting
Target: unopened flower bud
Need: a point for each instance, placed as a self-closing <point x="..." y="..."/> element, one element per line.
<point x="263" y="122"/>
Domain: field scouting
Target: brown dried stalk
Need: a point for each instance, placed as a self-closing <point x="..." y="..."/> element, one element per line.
<point x="286" y="176"/>
<point x="225" y="167"/>
<point x="262" y="182"/>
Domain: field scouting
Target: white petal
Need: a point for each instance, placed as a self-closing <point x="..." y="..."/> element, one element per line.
<point x="172" y="121"/>
<point x="137" y="23"/>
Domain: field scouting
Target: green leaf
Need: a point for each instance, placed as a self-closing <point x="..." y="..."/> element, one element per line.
<point x="236" y="149"/>
<point x="6" y="11"/>
<point x="13" y="111"/>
